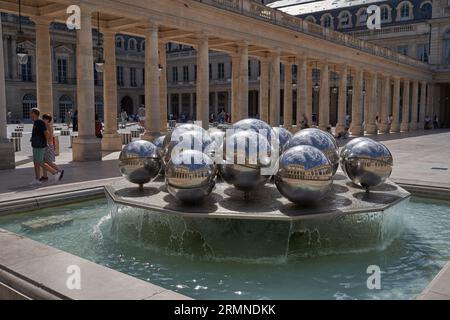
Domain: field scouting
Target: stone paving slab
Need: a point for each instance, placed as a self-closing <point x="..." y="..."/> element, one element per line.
<point x="265" y="203"/>
<point x="439" y="288"/>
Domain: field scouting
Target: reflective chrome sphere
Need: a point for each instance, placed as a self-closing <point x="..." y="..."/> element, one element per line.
<point x="283" y="137"/>
<point x="305" y="175"/>
<point x="139" y="162"/>
<point x="256" y="125"/>
<point x="183" y="139"/>
<point x="320" y="140"/>
<point x="159" y="143"/>
<point x="246" y="160"/>
<point x="368" y="163"/>
<point x="190" y="176"/>
<point x="213" y="149"/>
<point x="345" y="151"/>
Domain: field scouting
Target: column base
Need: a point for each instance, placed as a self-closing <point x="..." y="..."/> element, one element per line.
<point x="357" y="131"/>
<point x="86" y="149"/>
<point x="7" y="156"/>
<point x="150" y="136"/>
<point x="383" y="128"/>
<point x="371" y="129"/>
<point x="340" y="128"/>
<point x="404" y="127"/>
<point x="395" y="127"/>
<point x="412" y="126"/>
<point x="111" y="142"/>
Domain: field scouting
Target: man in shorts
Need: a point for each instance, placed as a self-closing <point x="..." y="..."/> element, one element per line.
<point x="39" y="138"/>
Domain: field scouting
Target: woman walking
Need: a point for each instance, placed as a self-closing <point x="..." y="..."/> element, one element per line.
<point x="49" y="156"/>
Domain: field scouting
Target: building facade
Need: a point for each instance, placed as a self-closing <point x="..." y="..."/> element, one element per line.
<point x="419" y="29"/>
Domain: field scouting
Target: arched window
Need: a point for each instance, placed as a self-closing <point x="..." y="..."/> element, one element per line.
<point x="28" y="102"/>
<point x="99" y="107"/>
<point x="310" y="19"/>
<point x="65" y="103"/>
<point x="119" y="42"/>
<point x="404" y="11"/>
<point x="143" y="45"/>
<point x="426" y="9"/>
<point x="327" y="20"/>
<point x="132" y="44"/>
<point x="385" y="13"/>
<point x="361" y="16"/>
<point x="345" y="20"/>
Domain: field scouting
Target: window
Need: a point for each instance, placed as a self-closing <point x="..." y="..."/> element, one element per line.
<point x="210" y="72"/>
<point x="326" y="21"/>
<point x="446" y="48"/>
<point x="404" y="11"/>
<point x="249" y="69"/>
<point x="185" y="73"/>
<point x="175" y="74"/>
<point x="221" y="70"/>
<point x="120" y="76"/>
<point x="64" y="104"/>
<point x="344" y="20"/>
<point x="403" y="50"/>
<point x="132" y="44"/>
<point x="119" y="42"/>
<point x="422" y="52"/>
<point x="133" y="82"/>
<point x="310" y="19"/>
<point x="385" y="13"/>
<point x="27" y="71"/>
<point x="143" y="46"/>
<point x="28" y="102"/>
<point x="362" y="16"/>
<point x="143" y="76"/>
<point x="195" y="72"/>
<point x="62" y="70"/>
<point x="426" y="10"/>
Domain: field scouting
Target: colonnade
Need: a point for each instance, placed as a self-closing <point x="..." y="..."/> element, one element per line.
<point x="400" y="103"/>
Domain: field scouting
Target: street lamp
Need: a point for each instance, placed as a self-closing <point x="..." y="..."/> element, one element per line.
<point x="22" y="54"/>
<point x="99" y="62"/>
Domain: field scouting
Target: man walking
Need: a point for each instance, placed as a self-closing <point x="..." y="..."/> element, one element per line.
<point x="39" y="138"/>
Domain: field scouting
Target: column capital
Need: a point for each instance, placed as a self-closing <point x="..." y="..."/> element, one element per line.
<point x="108" y="32"/>
<point x="41" y="20"/>
<point x="151" y="26"/>
<point x="202" y="36"/>
<point x="275" y="52"/>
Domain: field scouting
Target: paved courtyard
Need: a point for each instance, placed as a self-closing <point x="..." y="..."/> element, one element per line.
<point x="420" y="157"/>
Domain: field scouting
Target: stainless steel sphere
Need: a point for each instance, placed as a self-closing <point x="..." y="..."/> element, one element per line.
<point x="190" y="176"/>
<point x="319" y="139"/>
<point x="179" y="130"/>
<point x="368" y="163"/>
<point x="213" y="149"/>
<point x="305" y="175"/>
<point x="246" y="160"/>
<point x="345" y="151"/>
<point x="256" y="125"/>
<point x="183" y="139"/>
<point x="283" y="136"/>
<point x="140" y="162"/>
<point x="159" y="143"/>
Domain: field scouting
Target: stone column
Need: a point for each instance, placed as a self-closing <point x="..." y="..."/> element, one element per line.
<point x="385" y="103"/>
<point x="324" y="100"/>
<point x="372" y="98"/>
<point x="264" y="90"/>
<point x="7" y="160"/>
<point x="151" y="87"/>
<point x="44" y="79"/>
<point x="309" y="96"/>
<point x="287" y="114"/>
<point x="235" y="112"/>
<point x="342" y="100"/>
<point x="203" y="81"/>
<point x="243" y="80"/>
<point x="111" y="140"/>
<point x="430" y="100"/>
<point x="423" y="106"/>
<point x="406" y="106"/>
<point x="357" y="129"/>
<point x="414" y="105"/>
<point x="163" y="88"/>
<point x="302" y="89"/>
<point x="395" y="125"/>
<point x="85" y="147"/>
<point x="275" y="90"/>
